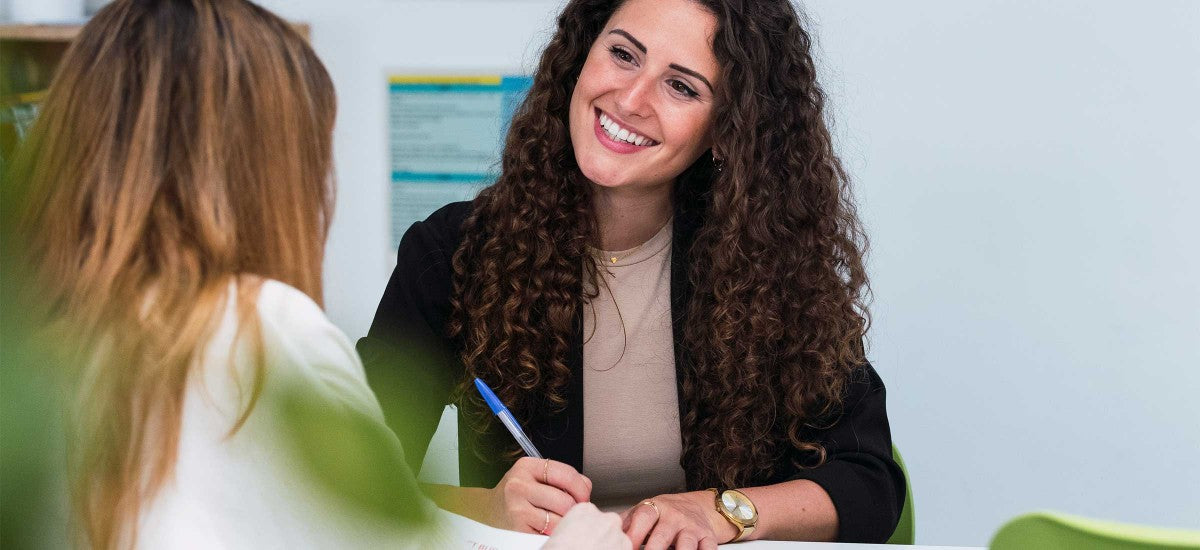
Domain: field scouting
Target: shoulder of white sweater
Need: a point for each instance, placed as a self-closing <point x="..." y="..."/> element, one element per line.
<point x="301" y="344"/>
<point x="291" y="319"/>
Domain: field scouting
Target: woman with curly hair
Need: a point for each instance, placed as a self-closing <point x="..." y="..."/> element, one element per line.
<point x="665" y="285"/>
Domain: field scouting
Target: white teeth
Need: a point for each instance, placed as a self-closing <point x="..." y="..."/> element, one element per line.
<point x="615" y="131"/>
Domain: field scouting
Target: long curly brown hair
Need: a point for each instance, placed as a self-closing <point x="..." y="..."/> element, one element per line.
<point x="774" y="327"/>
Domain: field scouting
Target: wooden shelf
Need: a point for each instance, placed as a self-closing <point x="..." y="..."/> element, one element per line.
<point x="67" y="32"/>
<point x="39" y="33"/>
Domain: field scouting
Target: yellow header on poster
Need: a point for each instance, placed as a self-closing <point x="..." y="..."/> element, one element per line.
<point x="480" y="80"/>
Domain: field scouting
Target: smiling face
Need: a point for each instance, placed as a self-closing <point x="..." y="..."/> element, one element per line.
<point x="641" y="111"/>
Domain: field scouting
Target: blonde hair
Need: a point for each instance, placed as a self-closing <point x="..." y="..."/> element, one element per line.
<point x="183" y="144"/>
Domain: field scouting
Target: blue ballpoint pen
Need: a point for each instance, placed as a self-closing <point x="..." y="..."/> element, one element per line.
<point x="506" y="418"/>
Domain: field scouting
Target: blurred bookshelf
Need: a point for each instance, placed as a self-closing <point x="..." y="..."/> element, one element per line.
<point x="28" y="56"/>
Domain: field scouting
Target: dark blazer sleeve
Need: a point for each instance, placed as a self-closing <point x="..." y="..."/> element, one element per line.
<point x="410" y="362"/>
<point x="862" y="479"/>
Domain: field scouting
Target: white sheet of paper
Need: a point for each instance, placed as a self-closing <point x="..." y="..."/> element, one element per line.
<point x="468" y="534"/>
<point x="788" y="545"/>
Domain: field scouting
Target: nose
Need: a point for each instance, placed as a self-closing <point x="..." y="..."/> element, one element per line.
<point x="636" y="99"/>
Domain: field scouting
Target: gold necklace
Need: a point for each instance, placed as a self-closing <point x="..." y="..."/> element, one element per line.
<point x="628" y="253"/>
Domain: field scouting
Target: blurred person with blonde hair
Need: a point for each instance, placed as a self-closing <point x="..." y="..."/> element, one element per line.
<point x="175" y="197"/>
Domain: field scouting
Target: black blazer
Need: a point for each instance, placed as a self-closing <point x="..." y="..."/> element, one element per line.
<point x="413" y="367"/>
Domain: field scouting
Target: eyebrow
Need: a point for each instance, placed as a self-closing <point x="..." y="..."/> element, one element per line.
<point x="638" y="44"/>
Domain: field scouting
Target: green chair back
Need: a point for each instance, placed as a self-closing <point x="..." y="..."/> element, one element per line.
<point x="906" y="530"/>
<point x="1055" y="531"/>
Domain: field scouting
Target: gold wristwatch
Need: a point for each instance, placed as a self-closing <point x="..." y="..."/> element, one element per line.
<point x="737" y="508"/>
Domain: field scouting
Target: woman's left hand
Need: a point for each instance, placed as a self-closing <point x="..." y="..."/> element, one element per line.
<point x="687" y="521"/>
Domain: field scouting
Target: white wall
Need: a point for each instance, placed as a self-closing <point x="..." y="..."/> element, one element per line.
<point x="1030" y="175"/>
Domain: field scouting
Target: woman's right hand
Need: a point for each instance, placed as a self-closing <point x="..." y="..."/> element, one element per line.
<point x="535" y="494"/>
<point x="587" y="528"/>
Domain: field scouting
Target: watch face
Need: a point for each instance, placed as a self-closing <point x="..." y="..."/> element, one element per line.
<point x="738" y="506"/>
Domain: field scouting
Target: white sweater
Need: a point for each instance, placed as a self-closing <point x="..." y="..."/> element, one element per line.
<point x="251" y="490"/>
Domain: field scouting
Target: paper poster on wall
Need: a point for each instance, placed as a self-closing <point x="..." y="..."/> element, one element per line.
<point x="445" y="134"/>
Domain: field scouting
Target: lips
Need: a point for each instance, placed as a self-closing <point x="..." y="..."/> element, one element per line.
<point x="619" y="137"/>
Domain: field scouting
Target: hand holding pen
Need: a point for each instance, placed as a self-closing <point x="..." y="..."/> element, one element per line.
<point x="536" y="492"/>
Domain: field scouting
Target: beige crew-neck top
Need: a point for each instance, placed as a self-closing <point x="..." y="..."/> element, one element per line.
<point x="631" y="438"/>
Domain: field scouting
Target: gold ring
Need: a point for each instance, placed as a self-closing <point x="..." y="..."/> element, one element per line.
<point x="546" y="472"/>
<point x="651" y="504"/>
<point x="547" y="525"/>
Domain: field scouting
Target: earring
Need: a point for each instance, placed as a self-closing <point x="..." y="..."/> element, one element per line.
<point x="718" y="164"/>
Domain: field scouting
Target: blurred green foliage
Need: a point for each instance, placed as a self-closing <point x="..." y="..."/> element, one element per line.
<point x="352" y="456"/>
<point x="33" y="499"/>
<point x="32" y="464"/>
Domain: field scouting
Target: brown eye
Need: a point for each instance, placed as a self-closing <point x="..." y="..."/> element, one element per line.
<point x="622" y="55"/>
<point x="682" y="88"/>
